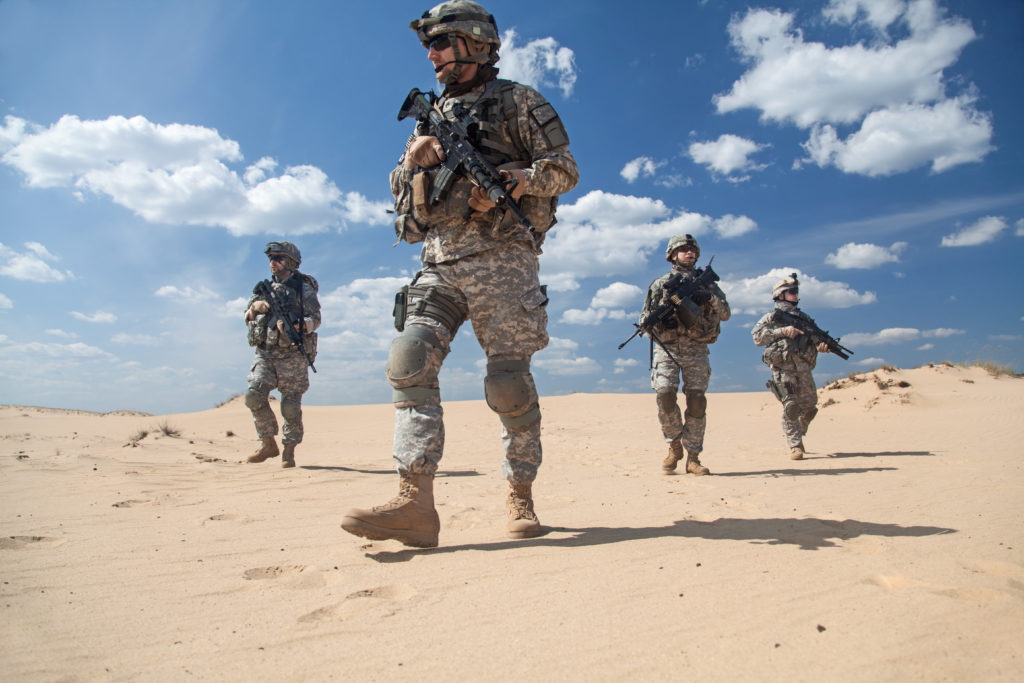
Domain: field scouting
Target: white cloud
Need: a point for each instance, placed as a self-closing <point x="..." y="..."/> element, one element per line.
<point x="5" y="302"/>
<point x="63" y="352"/>
<point x="871" y="362"/>
<point x="567" y="366"/>
<point x="1019" y="227"/>
<point x="984" y="230"/>
<point x="903" y="137"/>
<point x="186" y="294"/>
<point x="97" y="317"/>
<point x="754" y="295"/>
<point x="539" y="63"/>
<point x="31" y="265"/>
<point x="641" y="166"/>
<point x="361" y="309"/>
<point x="726" y="156"/>
<point x="605" y="234"/>
<point x="135" y="339"/>
<point x="618" y="295"/>
<point x="926" y="347"/>
<point x="622" y="363"/>
<point x="62" y="334"/>
<point x="854" y="255"/>
<point x="891" y="335"/>
<point x="942" y="332"/>
<point x="178" y="174"/>
<point x="894" y="90"/>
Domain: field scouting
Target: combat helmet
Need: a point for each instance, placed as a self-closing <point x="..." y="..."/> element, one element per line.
<point x="286" y="248"/>
<point x="789" y="283"/>
<point x="464" y="17"/>
<point x="677" y="241"/>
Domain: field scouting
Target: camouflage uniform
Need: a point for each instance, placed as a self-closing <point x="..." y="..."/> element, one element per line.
<point x="484" y="268"/>
<point x="278" y="364"/>
<point x="791" y="362"/>
<point x="690" y="348"/>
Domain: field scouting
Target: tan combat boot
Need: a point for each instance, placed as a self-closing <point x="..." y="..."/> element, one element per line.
<point x="288" y="456"/>
<point x="693" y="465"/>
<point x="409" y="517"/>
<point x="675" y="454"/>
<point x="797" y="452"/>
<point x="267" y="450"/>
<point x="522" y="520"/>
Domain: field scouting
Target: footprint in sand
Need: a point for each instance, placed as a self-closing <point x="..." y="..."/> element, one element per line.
<point x="291" y="576"/>
<point x="226" y="517"/>
<point x="19" y="542"/>
<point x="361" y="602"/>
<point x="130" y="503"/>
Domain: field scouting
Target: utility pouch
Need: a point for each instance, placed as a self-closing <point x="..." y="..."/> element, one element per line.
<point x="401" y="307"/>
<point x="776" y="390"/>
<point x="421" y="193"/>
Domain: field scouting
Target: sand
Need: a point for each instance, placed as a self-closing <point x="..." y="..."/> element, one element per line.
<point x="895" y="551"/>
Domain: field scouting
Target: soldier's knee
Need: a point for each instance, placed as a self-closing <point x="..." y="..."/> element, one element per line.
<point x="409" y="369"/>
<point x="255" y="398"/>
<point x="291" y="408"/>
<point x="791" y="410"/>
<point x="667" y="400"/>
<point x="509" y="391"/>
<point x="696" y="403"/>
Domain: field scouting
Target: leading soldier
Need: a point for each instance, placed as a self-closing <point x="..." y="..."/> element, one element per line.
<point x="479" y="264"/>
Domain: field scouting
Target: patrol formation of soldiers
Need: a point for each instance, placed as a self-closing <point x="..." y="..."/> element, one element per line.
<point x="480" y="263"/>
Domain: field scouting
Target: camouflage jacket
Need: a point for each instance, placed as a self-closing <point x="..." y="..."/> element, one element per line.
<point x="263" y="332"/>
<point x="518" y="127"/>
<point x="781" y="350"/>
<point x="707" y="328"/>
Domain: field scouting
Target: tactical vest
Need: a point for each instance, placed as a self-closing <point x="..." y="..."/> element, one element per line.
<point x="495" y="112"/>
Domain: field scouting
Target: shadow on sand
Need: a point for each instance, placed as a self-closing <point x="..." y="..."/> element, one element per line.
<point x="807" y="534"/>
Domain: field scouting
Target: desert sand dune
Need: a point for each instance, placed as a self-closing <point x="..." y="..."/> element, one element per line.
<point x="895" y="551"/>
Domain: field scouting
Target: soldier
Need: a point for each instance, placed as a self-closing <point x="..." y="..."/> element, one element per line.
<point x="682" y="349"/>
<point x="791" y="356"/>
<point x="279" y="363"/>
<point x="479" y="263"/>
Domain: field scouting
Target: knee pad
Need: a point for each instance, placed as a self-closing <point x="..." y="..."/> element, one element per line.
<point x="408" y="367"/>
<point x="667" y="400"/>
<point x="809" y="414"/>
<point x="696" y="403"/>
<point x="791" y="410"/>
<point x="291" y="409"/>
<point x="254" y="398"/>
<point x="510" y="393"/>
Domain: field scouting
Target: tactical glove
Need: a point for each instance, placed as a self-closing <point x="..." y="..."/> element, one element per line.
<point x="791" y="332"/>
<point x="425" y="151"/>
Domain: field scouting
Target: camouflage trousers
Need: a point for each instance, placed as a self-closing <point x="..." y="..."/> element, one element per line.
<point x="288" y="373"/>
<point x="696" y="373"/>
<point x="800" y="402"/>
<point x="499" y="292"/>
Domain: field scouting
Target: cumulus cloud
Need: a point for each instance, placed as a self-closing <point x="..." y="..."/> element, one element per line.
<point x="186" y="294"/>
<point x="538" y="63"/>
<point x="5" y="302"/>
<point x="135" y="339"/>
<point x="361" y="310"/>
<point x="31" y="264"/>
<point x="903" y="137"/>
<point x="754" y="295"/>
<point x="897" y="335"/>
<point x="1019" y="227"/>
<point x="893" y="91"/>
<point x="97" y="317"/>
<point x="61" y="352"/>
<point x="854" y="255"/>
<point x="641" y="166"/>
<point x="622" y="363"/>
<point x="178" y="174"/>
<point x="605" y="234"/>
<point x="984" y="230"/>
<point x="727" y="156"/>
<point x="608" y="303"/>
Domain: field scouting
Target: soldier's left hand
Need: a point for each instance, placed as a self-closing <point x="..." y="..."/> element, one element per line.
<point x="822" y="347"/>
<point x="281" y="329"/>
<point x="481" y="203"/>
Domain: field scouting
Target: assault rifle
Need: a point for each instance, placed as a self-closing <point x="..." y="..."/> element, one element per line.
<point x="264" y="290"/>
<point x="815" y="333"/>
<point x="461" y="158"/>
<point x="683" y="297"/>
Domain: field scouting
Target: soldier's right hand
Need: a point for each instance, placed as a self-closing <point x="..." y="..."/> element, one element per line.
<point x="257" y="307"/>
<point x="425" y="151"/>
<point x="791" y="332"/>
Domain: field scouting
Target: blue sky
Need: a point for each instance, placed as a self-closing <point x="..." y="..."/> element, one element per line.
<point x="148" y="151"/>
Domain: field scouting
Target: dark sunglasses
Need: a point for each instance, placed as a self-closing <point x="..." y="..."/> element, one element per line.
<point x="277" y="257"/>
<point x="441" y="42"/>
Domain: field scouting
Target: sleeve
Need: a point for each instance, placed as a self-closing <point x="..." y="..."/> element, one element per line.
<point x="553" y="170"/>
<point x="764" y="333"/>
<point x="719" y="302"/>
<point x="311" y="306"/>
